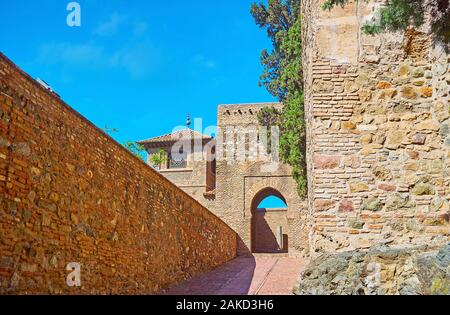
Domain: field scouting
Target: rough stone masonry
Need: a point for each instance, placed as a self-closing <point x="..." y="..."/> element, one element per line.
<point x="377" y="111"/>
<point x="378" y="137"/>
<point x="69" y="193"/>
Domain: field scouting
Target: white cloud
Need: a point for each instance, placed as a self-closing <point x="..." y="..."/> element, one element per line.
<point x="204" y="62"/>
<point x="109" y="27"/>
<point x="139" y="28"/>
<point x="77" y="54"/>
<point x="137" y="56"/>
<point x="137" y="59"/>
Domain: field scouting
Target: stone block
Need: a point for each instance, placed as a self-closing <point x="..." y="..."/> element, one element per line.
<point x="357" y="186"/>
<point x="346" y="205"/>
<point x="326" y="162"/>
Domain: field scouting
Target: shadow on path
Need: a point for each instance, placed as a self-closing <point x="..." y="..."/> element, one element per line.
<point x="265" y="275"/>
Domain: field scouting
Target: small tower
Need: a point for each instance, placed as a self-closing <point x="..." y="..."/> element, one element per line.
<point x="188" y="121"/>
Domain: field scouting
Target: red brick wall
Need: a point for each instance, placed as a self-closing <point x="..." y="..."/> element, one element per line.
<point x="69" y="193"/>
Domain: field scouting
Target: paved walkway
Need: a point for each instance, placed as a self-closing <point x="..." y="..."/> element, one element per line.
<point x="260" y="275"/>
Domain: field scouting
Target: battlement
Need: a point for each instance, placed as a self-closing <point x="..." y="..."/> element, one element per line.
<point x="242" y="114"/>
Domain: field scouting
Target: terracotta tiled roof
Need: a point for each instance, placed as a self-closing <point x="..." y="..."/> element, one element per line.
<point x="175" y="136"/>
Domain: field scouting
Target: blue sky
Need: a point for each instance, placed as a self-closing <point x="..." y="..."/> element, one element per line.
<point x="272" y="202"/>
<point x="139" y="66"/>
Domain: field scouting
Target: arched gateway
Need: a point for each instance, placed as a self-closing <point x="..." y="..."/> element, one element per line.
<point x="242" y="184"/>
<point x="232" y="185"/>
<point x="269" y="224"/>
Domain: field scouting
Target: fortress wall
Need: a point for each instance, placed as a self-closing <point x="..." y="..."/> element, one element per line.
<point x="378" y="140"/>
<point x="69" y="193"/>
<point x="240" y="181"/>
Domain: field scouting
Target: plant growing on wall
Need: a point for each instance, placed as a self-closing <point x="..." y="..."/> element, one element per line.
<point x="110" y="131"/>
<point x="398" y="15"/>
<point x="135" y="148"/>
<point x="282" y="77"/>
<point x="159" y="158"/>
<point x="131" y="146"/>
<point x="269" y="117"/>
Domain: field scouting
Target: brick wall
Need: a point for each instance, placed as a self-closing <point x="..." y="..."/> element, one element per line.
<point x="242" y="181"/>
<point x="378" y="137"/>
<point x="69" y="193"/>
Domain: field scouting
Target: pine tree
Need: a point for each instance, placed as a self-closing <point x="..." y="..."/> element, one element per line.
<point x="282" y="77"/>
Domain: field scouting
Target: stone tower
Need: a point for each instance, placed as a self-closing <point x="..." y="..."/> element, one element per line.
<point x="242" y="183"/>
<point x="233" y="185"/>
<point x="193" y="169"/>
<point x="377" y="112"/>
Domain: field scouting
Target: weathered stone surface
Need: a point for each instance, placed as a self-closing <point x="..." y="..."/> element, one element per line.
<point x="426" y="91"/>
<point x="357" y="186"/>
<point x="423" y="189"/>
<point x="324" y="205"/>
<point x="443" y="257"/>
<point x="444" y="131"/>
<point x="418" y="73"/>
<point x="326" y="162"/>
<point x="366" y="139"/>
<point x="428" y="125"/>
<point x="404" y="71"/>
<point x="387" y="94"/>
<point x="346" y="206"/>
<point x="381" y="172"/>
<point x="401" y="110"/>
<point x="22" y="148"/>
<point x="413" y="166"/>
<point x="379" y="270"/>
<point x="352" y="162"/>
<point x="387" y="187"/>
<point x="355" y="224"/>
<point x="419" y="138"/>
<point x="372" y="204"/>
<point x="394" y="139"/>
<point x="419" y="82"/>
<point x="409" y="92"/>
<point x="414" y="155"/>
<point x="348" y="125"/>
<point x="442" y="110"/>
<point x="384" y="85"/>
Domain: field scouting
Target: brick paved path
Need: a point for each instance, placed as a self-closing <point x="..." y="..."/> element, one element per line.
<point x="260" y="275"/>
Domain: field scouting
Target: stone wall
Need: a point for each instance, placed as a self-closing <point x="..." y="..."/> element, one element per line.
<point x="69" y="193"/>
<point x="378" y="140"/>
<point x="380" y="270"/>
<point x="242" y="182"/>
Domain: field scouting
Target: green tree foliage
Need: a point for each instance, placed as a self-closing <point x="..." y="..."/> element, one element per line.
<point x="293" y="140"/>
<point x="131" y="146"/>
<point x="269" y="117"/>
<point x="135" y="148"/>
<point x="159" y="158"/>
<point x="277" y="17"/>
<point x="283" y="77"/>
<point x="110" y="131"/>
<point x="398" y="15"/>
